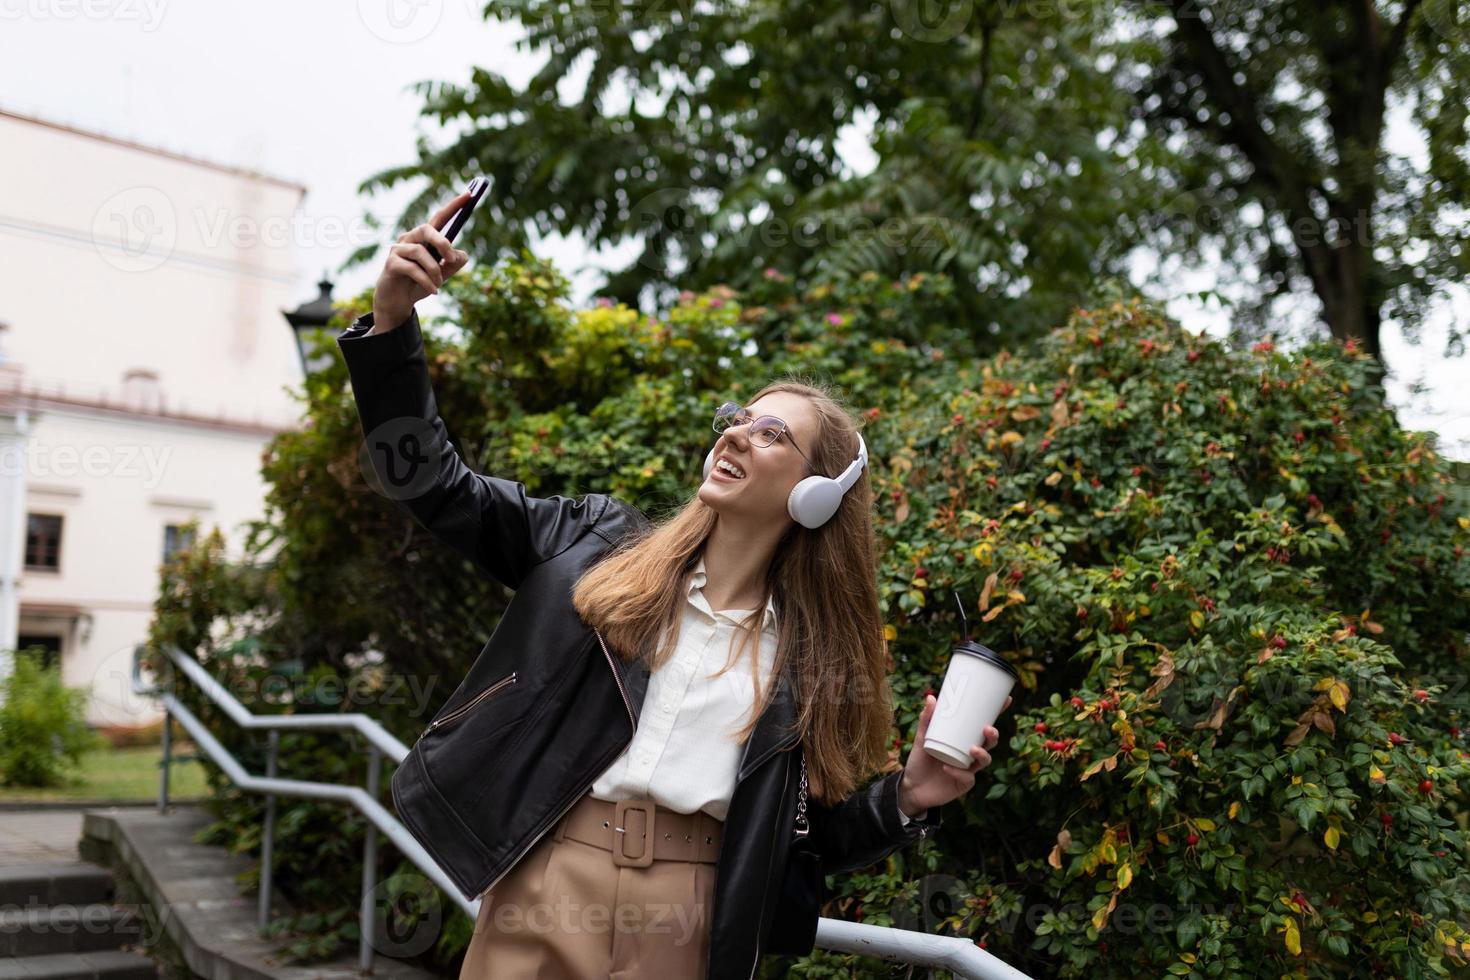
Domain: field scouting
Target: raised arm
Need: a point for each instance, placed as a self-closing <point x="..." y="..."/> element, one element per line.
<point x="488" y="520"/>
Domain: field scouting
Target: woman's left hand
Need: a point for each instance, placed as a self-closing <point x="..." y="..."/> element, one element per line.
<point x="927" y="781"/>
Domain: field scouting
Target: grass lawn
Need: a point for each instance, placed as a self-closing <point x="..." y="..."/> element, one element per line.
<point x="121" y="774"/>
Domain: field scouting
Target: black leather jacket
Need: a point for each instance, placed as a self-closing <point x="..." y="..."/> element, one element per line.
<point x="546" y="707"/>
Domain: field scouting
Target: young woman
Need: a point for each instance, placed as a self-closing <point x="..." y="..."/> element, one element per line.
<point x="662" y="709"/>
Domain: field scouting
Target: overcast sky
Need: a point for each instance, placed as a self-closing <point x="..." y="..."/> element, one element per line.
<point x="318" y="93"/>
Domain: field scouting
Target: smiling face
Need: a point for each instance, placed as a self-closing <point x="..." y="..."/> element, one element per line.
<point x="770" y="471"/>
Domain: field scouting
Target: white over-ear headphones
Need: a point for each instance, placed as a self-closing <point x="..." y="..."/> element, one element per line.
<point x="815" y="499"/>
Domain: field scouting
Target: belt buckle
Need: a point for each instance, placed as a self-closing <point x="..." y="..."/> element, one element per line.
<point x="620" y="855"/>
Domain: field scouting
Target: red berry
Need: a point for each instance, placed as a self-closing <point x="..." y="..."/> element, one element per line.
<point x="1096" y="482"/>
<point x="958" y="418"/>
<point x="1016" y="574"/>
<point x="1454" y="732"/>
<point x="1192" y="839"/>
<point x="1279" y="642"/>
<point x="1161" y="745"/>
<point x="1045" y="443"/>
<point x="1138" y="471"/>
<point x="1421" y="694"/>
<point x="1040" y="726"/>
<point x="1192" y="356"/>
<point x="1386" y="818"/>
<point x="921" y="572"/>
<point x="1426" y="786"/>
<point x="898" y="495"/>
<point x="1077" y="702"/>
<point x="1395" y="738"/>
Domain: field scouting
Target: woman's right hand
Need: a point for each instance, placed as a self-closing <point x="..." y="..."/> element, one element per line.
<point x="411" y="273"/>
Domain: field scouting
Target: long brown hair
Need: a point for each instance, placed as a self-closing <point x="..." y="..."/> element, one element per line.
<point x="824" y="585"/>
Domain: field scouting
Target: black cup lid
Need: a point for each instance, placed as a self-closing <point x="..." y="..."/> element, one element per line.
<point x="985" y="653"/>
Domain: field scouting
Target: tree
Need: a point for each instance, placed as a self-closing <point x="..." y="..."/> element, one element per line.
<point x="1282" y="109"/>
<point x="710" y="138"/>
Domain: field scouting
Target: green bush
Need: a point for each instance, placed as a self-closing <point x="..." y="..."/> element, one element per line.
<point x="43" y="733"/>
<point x="1233" y="585"/>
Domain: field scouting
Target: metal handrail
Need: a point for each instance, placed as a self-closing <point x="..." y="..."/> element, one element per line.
<point x="953" y="953"/>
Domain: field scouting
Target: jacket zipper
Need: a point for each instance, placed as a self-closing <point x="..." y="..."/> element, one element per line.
<point x="760" y="914"/>
<point x="547" y="825"/>
<point x="445" y="719"/>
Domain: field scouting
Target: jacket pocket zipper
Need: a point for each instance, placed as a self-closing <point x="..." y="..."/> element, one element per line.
<point x="547" y="825"/>
<point x="443" y="720"/>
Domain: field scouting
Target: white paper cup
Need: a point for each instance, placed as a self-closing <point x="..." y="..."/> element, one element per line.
<point x="976" y="685"/>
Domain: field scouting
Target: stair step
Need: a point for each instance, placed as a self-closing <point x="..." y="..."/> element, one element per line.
<point x="55" y="883"/>
<point x="107" y="964"/>
<point x="43" y="930"/>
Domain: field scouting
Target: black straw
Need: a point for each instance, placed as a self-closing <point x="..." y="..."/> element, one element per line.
<point x="964" y="621"/>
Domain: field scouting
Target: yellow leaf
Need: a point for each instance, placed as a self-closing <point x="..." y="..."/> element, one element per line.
<point x="992" y="614"/>
<point x="890" y="632"/>
<point x="1331" y="838"/>
<point x="1010" y="437"/>
<point x="1125" y="876"/>
<point x="1339" y="696"/>
<point x="1234" y="809"/>
<point x="1162" y="838"/>
<point x="1370" y="916"/>
<point x="1204" y="823"/>
<point x="1016" y="596"/>
<point x="1293" y="937"/>
<point x="1197" y="620"/>
<point x="1108" y="853"/>
<point x="1054" y="479"/>
<point x="1465" y="523"/>
<point x="982" y="552"/>
<point x="1376" y="775"/>
<point x="1188" y="957"/>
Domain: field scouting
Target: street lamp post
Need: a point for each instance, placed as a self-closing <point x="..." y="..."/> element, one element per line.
<point x="309" y="318"/>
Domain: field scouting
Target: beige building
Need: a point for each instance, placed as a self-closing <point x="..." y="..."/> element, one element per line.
<point x="144" y="365"/>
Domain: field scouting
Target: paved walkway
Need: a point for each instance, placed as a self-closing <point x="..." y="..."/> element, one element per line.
<point x="39" y="836"/>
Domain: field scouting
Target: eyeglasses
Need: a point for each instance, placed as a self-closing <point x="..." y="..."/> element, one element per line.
<point x="763" y="431"/>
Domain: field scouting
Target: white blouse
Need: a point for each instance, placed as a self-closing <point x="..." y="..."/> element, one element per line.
<point x="685" y="752"/>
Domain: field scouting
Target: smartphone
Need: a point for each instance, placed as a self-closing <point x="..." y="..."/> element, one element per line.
<point x="477" y="190"/>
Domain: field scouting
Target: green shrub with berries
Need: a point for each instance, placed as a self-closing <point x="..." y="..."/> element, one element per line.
<point x="1233" y="585"/>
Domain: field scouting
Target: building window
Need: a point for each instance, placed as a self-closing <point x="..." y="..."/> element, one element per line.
<point x="176" y="538"/>
<point x="43" y="542"/>
<point x="50" y="647"/>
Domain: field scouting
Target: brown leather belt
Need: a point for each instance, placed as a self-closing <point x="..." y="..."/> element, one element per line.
<point x="624" y="828"/>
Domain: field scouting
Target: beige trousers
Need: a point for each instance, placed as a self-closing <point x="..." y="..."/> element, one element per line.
<point x="567" y="911"/>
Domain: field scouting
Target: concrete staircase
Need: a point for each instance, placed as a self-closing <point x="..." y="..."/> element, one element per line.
<point x="60" y="920"/>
